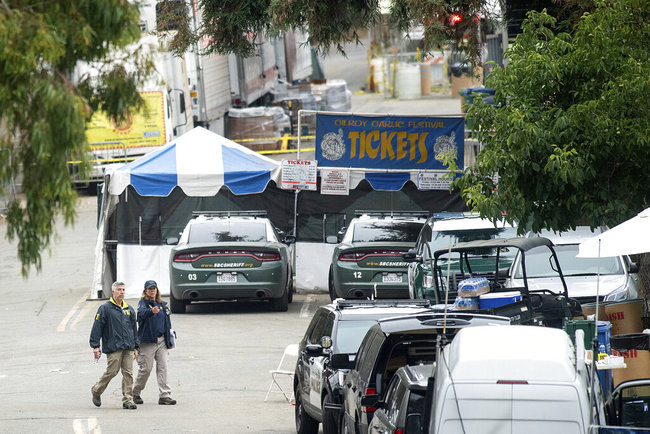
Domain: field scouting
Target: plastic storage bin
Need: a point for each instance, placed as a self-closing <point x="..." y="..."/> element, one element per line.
<point x="604" y="332"/>
<point x="604" y="338"/>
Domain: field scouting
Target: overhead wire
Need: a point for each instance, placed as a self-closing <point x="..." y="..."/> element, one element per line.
<point x="453" y="386"/>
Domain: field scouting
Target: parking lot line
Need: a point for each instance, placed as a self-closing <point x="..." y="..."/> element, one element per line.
<point x="82" y="314"/>
<point x="74" y="314"/>
<point x="304" y="310"/>
<point x="86" y="426"/>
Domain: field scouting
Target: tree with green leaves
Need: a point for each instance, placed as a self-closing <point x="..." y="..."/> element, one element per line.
<point x="44" y="106"/>
<point x="231" y="26"/>
<point x="567" y="142"/>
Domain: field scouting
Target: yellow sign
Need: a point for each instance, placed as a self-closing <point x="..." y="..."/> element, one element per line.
<point x="144" y="128"/>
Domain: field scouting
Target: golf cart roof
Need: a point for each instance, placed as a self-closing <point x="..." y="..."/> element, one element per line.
<point x="520" y="243"/>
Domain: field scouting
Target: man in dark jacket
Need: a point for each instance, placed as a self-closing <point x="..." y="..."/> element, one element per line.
<point x="116" y="326"/>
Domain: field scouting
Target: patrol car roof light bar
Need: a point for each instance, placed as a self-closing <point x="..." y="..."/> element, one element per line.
<point x="421" y="214"/>
<point x="450" y="215"/>
<point x="346" y="304"/>
<point x="255" y="213"/>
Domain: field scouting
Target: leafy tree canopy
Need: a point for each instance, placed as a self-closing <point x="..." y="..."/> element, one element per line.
<point x="231" y="26"/>
<point x="43" y="110"/>
<point x="568" y="137"/>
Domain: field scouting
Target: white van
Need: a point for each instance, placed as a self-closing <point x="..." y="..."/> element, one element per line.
<point x="506" y="380"/>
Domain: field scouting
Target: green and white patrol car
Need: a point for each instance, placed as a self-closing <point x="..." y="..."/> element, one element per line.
<point x="368" y="263"/>
<point x="230" y="256"/>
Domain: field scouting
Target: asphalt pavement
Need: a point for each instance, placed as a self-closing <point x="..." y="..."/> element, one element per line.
<point x="219" y="372"/>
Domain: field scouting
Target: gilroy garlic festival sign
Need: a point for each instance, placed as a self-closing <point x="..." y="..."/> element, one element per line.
<point x="388" y="142"/>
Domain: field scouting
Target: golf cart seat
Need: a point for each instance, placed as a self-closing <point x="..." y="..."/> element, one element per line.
<point x="553" y="308"/>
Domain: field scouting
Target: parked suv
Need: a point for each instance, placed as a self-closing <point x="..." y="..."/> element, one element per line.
<point x="444" y="229"/>
<point x="368" y="261"/>
<point x="402" y="409"/>
<point x="391" y="344"/>
<point x="335" y="330"/>
<point x="230" y="256"/>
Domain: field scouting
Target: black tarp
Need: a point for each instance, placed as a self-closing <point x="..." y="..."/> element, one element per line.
<point x="150" y="220"/>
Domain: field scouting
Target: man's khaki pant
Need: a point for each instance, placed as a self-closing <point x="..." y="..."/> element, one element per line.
<point x="149" y="353"/>
<point x="120" y="359"/>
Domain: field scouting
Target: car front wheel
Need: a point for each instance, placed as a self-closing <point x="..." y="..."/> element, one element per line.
<point x="305" y="424"/>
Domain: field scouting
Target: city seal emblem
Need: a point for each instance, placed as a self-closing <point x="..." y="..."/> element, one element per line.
<point x="445" y="145"/>
<point x="332" y="146"/>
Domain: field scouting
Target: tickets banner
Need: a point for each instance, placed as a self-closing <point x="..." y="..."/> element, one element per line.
<point x="390" y="142"/>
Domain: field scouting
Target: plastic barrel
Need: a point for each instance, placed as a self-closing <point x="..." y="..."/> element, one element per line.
<point x="425" y="79"/>
<point x="378" y="66"/>
<point x="408" y="81"/>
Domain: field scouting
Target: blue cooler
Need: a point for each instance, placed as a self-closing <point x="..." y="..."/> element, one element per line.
<point x="497" y="299"/>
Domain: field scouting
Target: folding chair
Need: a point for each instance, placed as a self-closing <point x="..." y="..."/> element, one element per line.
<point x="286" y="368"/>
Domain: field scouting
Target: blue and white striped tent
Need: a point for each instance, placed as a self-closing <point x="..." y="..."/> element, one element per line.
<point x="200" y="162"/>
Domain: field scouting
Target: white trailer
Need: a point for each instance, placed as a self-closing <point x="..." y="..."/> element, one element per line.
<point x="252" y="78"/>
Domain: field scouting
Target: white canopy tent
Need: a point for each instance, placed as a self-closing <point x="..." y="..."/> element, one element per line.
<point x="628" y="238"/>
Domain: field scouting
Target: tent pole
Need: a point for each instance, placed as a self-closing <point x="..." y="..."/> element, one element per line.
<point x="299" y="135"/>
<point x="295" y="226"/>
<point x="295" y="211"/>
<point x="597" y="292"/>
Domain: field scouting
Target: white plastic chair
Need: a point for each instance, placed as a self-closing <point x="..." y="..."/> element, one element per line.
<point x="285" y="368"/>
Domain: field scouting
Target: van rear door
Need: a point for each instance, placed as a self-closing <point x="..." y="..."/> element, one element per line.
<point x="511" y="408"/>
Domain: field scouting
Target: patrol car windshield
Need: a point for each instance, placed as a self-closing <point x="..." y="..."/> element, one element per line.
<point x="440" y="240"/>
<point x="365" y="232"/>
<point x="540" y="264"/>
<point x="481" y="260"/>
<point x="228" y="231"/>
<point x="349" y="335"/>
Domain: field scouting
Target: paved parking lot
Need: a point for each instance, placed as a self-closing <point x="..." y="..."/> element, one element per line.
<point x="218" y="372"/>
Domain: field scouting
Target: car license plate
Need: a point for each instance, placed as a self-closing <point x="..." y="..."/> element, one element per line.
<point x="391" y="278"/>
<point x="226" y="278"/>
